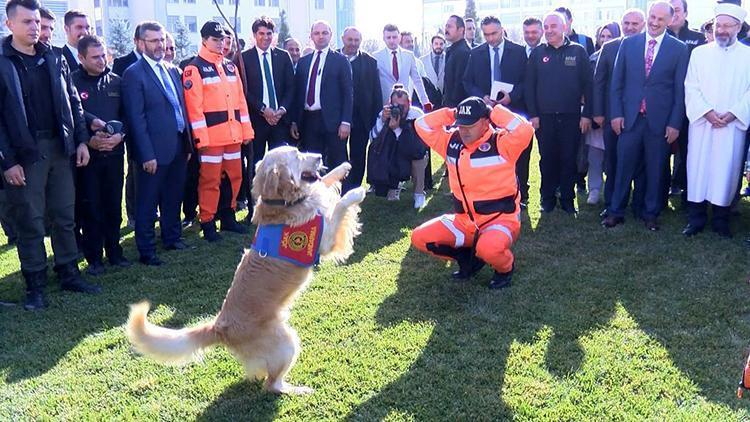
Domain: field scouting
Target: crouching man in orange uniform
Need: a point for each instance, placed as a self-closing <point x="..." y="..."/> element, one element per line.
<point x="481" y="163"/>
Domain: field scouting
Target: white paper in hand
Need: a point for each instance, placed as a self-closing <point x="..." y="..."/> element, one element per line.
<point x="498" y="87"/>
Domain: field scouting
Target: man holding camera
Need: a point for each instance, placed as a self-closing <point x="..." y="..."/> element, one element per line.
<point x="397" y="152"/>
<point x="100" y="183"/>
<point x="481" y="163"/>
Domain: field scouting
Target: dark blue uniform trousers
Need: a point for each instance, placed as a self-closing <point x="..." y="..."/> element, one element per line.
<point x="163" y="189"/>
<point x="610" y="168"/>
<point x="640" y="146"/>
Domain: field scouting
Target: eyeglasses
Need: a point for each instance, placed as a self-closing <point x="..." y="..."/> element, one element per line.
<point x="725" y="27"/>
<point x="156" y="40"/>
<point x="169" y="48"/>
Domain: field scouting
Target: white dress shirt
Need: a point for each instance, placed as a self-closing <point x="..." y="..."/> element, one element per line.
<point x="659" y="41"/>
<point x="74" y="51"/>
<point x="319" y="79"/>
<point x="500" y="49"/>
<point x="266" y="96"/>
<point x="155" y="67"/>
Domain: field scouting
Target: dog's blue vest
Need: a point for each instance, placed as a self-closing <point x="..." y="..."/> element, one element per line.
<point x="299" y="245"/>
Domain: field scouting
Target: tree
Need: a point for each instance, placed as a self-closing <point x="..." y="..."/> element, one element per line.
<point x="181" y="41"/>
<point x="120" y="39"/>
<point x="370" y="45"/>
<point x="471" y="12"/>
<point x="283" y="28"/>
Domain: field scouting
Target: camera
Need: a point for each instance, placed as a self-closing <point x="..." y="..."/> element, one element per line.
<point x="113" y="127"/>
<point x="396" y="110"/>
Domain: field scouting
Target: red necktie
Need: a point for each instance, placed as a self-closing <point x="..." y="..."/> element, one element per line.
<point x="649" y="63"/>
<point x="395" y="66"/>
<point x="313" y="80"/>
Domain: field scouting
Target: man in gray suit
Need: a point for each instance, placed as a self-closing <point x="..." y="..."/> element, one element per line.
<point x="434" y="62"/>
<point x="398" y="66"/>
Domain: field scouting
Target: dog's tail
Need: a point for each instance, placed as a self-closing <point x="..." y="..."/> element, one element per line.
<point x="166" y="345"/>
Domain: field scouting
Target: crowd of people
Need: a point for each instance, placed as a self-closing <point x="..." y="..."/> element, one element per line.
<point x="619" y="105"/>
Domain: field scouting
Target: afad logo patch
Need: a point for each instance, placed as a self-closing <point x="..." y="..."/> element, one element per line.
<point x="299" y="245"/>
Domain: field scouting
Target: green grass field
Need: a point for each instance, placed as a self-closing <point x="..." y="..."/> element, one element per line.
<point x="600" y="324"/>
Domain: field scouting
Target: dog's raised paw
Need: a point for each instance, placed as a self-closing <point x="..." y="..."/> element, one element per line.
<point x="354" y="196"/>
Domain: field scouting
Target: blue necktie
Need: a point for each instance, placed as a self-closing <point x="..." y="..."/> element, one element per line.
<point x="269" y="82"/>
<point x="496" y="64"/>
<point x="172" y="97"/>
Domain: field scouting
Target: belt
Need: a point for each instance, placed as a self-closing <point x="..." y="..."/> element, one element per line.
<point x="314" y="111"/>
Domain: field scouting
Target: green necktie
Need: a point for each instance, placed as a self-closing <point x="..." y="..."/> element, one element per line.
<point x="269" y="82"/>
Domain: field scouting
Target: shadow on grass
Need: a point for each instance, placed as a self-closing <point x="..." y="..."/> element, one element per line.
<point x="682" y="293"/>
<point x="242" y="398"/>
<point x="385" y="222"/>
<point x="191" y="282"/>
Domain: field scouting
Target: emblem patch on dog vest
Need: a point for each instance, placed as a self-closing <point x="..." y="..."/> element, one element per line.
<point x="299" y="245"/>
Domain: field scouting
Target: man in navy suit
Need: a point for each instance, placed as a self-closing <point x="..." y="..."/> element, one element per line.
<point x="155" y="110"/>
<point x="647" y="100"/>
<point x="270" y="89"/>
<point x="121" y="64"/>
<point x="633" y="22"/>
<point x="500" y="60"/>
<point x="323" y="99"/>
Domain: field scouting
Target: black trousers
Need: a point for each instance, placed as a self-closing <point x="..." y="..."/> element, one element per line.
<point x="49" y="192"/>
<point x="522" y="171"/>
<point x="698" y="215"/>
<point x="314" y="137"/>
<point x="100" y="186"/>
<point x="358" y="140"/>
<point x="559" y="138"/>
<point x="190" y="197"/>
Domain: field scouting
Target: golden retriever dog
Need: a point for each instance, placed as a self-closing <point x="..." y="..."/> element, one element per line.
<point x="252" y="322"/>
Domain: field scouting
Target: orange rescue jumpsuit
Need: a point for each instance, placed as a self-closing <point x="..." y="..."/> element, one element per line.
<point x="483" y="181"/>
<point x="218" y="115"/>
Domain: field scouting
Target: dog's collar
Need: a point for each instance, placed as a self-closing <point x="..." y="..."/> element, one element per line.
<point x="283" y="202"/>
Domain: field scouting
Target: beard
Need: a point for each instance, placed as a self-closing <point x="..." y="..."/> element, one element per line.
<point x="725" y="40"/>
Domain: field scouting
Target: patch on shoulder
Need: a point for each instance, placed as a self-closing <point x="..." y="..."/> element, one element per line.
<point x="188" y="84"/>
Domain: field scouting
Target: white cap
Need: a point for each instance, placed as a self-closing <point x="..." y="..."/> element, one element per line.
<point x="732" y="10"/>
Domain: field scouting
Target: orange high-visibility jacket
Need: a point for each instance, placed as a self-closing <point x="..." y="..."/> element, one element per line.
<point x="482" y="176"/>
<point x="215" y="101"/>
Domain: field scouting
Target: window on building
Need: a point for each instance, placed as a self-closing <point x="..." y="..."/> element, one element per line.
<point x="115" y="3"/>
<point x="190" y="1"/>
<point x="172" y="23"/>
<point x="320" y="4"/>
<point x="191" y="22"/>
<point x="273" y="3"/>
<point x="260" y="2"/>
<point x="173" y="1"/>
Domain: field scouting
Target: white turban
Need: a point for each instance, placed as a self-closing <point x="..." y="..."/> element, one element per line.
<point x="732" y="10"/>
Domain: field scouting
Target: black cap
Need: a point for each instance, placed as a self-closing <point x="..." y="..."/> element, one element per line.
<point x="212" y="29"/>
<point x="470" y="110"/>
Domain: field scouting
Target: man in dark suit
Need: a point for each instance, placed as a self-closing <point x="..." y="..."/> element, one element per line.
<point x="269" y="90"/>
<point x="647" y="100"/>
<point x="500" y="60"/>
<point x="456" y="57"/>
<point x="77" y="26"/>
<point x="121" y="64"/>
<point x="367" y="103"/>
<point x="322" y="116"/>
<point x="156" y="115"/>
<point x="633" y="22"/>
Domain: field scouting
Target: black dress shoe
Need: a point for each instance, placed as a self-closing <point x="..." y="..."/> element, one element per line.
<point x="121" y="262"/>
<point x="691" y="230"/>
<point x="651" y="225"/>
<point x="152" y="260"/>
<point x="604" y="213"/>
<point x="176" y="246"/>
<point x="502" y="280"/>
<point x="96" y="268"/>
<point x="723" y="232"/>
<point x="468" y="265"/>
<point x="612" y="221"/>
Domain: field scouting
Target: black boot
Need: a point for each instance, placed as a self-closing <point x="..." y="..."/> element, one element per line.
<point x="71" y="280"/>
<point x="229" y="222"/>
<point x="502" y="280"/>
<point x="35" y="284"/>
<point x="209" y="231"/>
<point x="468" y="265"/>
